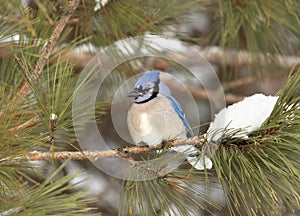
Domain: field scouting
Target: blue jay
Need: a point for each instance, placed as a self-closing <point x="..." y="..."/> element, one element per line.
<point x="155" y="116"/>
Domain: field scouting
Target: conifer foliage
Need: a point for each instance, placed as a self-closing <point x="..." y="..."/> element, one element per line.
<point x="39" y="67"/>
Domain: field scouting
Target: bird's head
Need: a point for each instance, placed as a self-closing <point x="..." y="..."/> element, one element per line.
<point x="148" y="86"/>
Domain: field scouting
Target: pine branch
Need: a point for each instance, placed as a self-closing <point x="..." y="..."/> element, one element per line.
<point x="23" y="68"/>
<point x="44" y="55"/>
<point x="47" y="50"/>
<point x="30" y="123"/>
<point x="125" y="152"/>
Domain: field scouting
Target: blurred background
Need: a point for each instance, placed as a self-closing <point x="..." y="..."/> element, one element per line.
<point x="250" y="45"/>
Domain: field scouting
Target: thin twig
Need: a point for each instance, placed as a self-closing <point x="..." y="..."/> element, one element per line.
<point x="30" y="123"/>
<point x="52" y="127"/>
<point x="24" y="70"/>
<point x="125" y="152"/>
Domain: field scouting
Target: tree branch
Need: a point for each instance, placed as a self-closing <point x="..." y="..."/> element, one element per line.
<point x="44" y="55"/>
<point x="216" y="55"/>
<point x="30" y="123"/>
<point x="213" y="55"/>
<point x="46" y="51"/>
<point x="125" y="152"/>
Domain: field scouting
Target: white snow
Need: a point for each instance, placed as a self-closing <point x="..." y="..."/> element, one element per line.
<point x="100" y="4"/>
<point x="198" y="162"/>
<point x="53" y="116"/>
<point x="247" y="115"/>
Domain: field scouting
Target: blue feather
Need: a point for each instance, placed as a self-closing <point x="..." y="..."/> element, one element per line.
<point x="151" y="76"/>
<point x="164" y="89"/>
<point x="178" y="109"/>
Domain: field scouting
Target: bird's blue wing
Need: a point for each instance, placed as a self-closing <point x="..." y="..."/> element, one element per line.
<point x="178" y="109"/>
<point x="164" y="90"/>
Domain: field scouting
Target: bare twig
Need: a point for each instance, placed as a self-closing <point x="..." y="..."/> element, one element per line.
<point x="125" y="152"/>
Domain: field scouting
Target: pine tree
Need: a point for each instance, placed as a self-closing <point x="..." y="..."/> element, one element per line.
<point x="40" y="69"/>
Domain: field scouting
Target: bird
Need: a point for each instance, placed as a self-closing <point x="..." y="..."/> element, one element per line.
<point x="155" y="117"/>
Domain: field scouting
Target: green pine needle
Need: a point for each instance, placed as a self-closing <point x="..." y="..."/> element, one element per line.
<point x="263" y="175"/>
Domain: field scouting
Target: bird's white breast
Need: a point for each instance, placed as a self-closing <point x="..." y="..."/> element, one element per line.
<point x="154" y="121"/>
<point x="145" y="125"/>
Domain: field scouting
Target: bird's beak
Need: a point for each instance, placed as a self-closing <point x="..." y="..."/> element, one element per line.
<point x="133" y="93"/>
